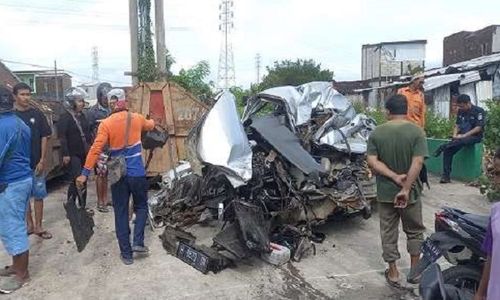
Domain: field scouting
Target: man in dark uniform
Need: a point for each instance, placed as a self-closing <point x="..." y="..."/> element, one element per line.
<point x="468" y="131"/>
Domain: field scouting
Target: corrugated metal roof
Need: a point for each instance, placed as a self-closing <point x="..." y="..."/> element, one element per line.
<point x="393" y="84"/>
<point x="467" y="65"/>
<point x="435" y="82"/>
<point x="469" y="77"/>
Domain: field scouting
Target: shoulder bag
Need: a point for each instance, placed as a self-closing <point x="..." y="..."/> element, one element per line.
<point x="117" y="165"/>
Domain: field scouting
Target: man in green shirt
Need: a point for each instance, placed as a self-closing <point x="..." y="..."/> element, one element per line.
<point x="396" y="152"/>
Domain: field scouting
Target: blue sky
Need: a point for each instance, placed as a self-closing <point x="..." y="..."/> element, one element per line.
<point x="331" y="32"/>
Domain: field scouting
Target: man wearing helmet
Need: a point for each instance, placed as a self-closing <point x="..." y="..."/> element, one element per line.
<point x="113" y="132"/>
<point x="95" y="115"/>
<point x="74" y="133"/>
<point x="16" y="179"/>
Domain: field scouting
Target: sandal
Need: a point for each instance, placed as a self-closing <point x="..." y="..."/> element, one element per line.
<point x="102" y="209"/>
<point x="44" y="235"/>
<point x="11" y="284"/>
<point x="394" y="284"/>
<point x="6" y="271"/>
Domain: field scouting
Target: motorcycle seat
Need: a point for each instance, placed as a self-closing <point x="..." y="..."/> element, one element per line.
<point x="477" y="220"/>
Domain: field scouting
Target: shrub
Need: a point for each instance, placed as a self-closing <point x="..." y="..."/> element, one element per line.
<point x="492" y="129"/>
<point x="438" y="127"/>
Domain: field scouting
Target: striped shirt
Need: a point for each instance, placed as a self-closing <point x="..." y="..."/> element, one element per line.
<point x="111" y="132"/>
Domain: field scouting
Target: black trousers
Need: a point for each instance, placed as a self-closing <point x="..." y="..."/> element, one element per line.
<point x="451" y="148"/>
<point x="74" y="170"/>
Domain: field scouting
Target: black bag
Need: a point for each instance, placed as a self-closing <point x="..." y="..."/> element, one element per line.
<point x="117" y="165"/>
<point x="156" y="138"/>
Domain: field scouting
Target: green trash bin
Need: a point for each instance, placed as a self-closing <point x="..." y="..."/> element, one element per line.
<point x="467" y="163"/>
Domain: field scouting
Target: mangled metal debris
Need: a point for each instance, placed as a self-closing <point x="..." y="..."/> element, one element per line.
<point x="270" y="178"/>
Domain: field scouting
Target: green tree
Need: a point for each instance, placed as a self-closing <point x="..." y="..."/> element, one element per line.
<point x="147" y="71"/>
<point x="169" y="62"/>
<point x="297" y="72"/>
<point x="194" y="80"/>
<point x="492" y="129"/>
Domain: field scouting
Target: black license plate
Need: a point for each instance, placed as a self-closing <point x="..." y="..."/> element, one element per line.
<point x="431" y="250"/>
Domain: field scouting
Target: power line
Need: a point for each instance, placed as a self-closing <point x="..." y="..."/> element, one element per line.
<point x="61" y="11"/>
<point x="257" y="66"/>
<point x="65" y="70"/>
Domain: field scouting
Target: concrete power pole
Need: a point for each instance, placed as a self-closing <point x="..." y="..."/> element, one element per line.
<point x="161" y="49"/>
<point x="134" y="44"/>
<point x="257" y="66"/>
<point x="95" y="65"/>
<point x="57" y="80"/>
<point x="226" y="75"/>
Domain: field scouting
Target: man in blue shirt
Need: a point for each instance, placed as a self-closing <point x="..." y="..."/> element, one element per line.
<point x="468" y="130"/>
<point x="15" y="189"/>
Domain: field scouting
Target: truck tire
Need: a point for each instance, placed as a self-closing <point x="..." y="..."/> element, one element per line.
<point x="463" y="277"/>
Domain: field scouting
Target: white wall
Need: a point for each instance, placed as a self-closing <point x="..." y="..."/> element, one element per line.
<point x="495" y="46"/>
<point x="441" y="98"/>
<point x="390" y="60"/>
<point x="484" y="91"/>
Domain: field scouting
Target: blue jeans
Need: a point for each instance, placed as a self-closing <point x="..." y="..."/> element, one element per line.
<point x="120" y="193"/>
<point x="13" y="206"/>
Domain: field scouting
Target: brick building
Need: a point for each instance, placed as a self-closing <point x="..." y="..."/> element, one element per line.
<point x="7" y="78"/>
<point x="466" y="45"/>
<point x="43" y="82"/>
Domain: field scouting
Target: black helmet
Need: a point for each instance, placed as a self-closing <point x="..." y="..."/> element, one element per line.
<point x="72" y="95"/>
<point x="6" y="100"/>
<point x="103" y="90"/>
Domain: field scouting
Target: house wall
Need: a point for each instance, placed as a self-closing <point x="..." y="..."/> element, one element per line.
<point x="469" y="89"/>
<point x="29" y="79"/>
<point x="484" y="91"/>
<point x="370" y="62"/>
<point x="389" y="60"/>
<point x="46" y="86"/>
<point x="441" y="98"/>
<point x="6" y="77"/>
<point x="467" y="45"/>
<point x="496" y="85"/>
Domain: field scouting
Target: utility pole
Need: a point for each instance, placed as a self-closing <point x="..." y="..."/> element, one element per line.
<point x="226" y="74"/>
<point x="161" y="53"/>
<point x="57" y="80"/>
<point x="95" y="65"/>
<point x="134" y="44"/>
<point x="257" y="66"/>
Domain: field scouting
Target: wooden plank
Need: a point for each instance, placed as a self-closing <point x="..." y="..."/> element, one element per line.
<point x="182" y="112"/>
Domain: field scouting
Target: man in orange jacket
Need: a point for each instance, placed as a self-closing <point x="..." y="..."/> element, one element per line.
<point x="111" y="132"/>
<point x="416" y="100"/>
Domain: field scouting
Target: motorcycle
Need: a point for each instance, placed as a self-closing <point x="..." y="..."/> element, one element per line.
<point x="433" y="287"/>
<point x="458" y="237"/>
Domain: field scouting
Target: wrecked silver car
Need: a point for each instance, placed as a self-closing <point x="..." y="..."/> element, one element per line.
<point x="296" y="159"/>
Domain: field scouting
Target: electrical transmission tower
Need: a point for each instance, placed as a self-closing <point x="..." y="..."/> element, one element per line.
<point x="257" y="66"/>
<point x="226" y="77"/>
<point x="95" y="64"/>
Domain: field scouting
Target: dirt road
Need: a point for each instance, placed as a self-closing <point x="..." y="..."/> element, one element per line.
<point x="348" y="265"/>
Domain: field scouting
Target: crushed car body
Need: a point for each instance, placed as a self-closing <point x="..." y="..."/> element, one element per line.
<point x="295" y="160"/>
